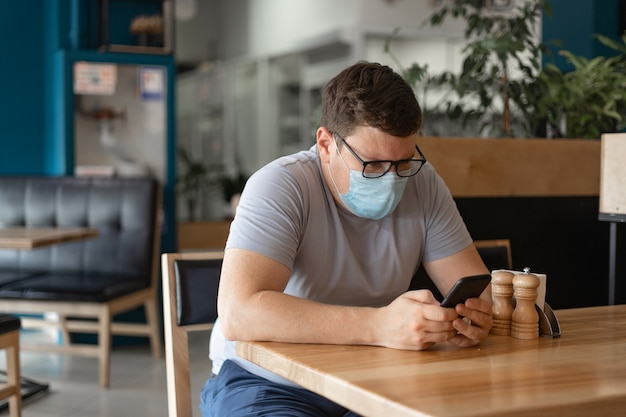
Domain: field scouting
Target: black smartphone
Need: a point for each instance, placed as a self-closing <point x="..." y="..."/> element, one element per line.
<point x="466" y="287"/>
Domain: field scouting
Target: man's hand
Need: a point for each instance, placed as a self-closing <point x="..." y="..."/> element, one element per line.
<point x="475" y="324"/>
<point x="415" y="321"/>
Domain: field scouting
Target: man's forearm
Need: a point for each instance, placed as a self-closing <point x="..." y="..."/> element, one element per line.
<point x="274" y="316"/>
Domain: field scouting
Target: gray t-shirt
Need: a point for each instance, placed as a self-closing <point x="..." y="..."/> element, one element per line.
<point x="288" y="214"/>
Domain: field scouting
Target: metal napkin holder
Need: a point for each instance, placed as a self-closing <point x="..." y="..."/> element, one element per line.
<point x="548" y="323"/>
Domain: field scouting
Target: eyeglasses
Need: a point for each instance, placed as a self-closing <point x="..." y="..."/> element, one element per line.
<point x="376" y="169"/>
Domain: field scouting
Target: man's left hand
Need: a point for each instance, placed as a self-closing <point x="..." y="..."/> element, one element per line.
<point x="475" y="323"/>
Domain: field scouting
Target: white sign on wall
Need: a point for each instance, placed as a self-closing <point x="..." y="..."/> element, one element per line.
<point x="613" y="174"/>
<point x="151" y="82"/>
<point x="91" y="78"/>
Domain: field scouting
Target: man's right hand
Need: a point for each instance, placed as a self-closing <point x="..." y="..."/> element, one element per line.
<point x="415" y="321"/>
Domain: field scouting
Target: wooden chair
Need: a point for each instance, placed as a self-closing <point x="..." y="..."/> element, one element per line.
<point x="496" y="253"/>
<point x="190" y="284"/>
<point x="10" y="342"/>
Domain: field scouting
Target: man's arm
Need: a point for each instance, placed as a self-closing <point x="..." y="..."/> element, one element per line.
<point x="444" y="273"/>
<point x="252" y="306"/>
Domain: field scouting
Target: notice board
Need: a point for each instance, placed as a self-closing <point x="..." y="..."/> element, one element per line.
<point x="613" y="174"/>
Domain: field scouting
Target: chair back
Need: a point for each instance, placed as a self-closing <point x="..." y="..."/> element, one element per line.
<point x="495" y="253"/>
<point x="190" y="284"/>
<point x="124" y="210"/>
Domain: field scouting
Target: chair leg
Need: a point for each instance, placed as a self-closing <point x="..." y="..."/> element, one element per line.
<point x="65" y="334"/>
<point x="13" y="375"/>
<point x="156" y="343"/>
<point x="104" y="346"/>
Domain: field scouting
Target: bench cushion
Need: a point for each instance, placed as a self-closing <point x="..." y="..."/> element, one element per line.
<point x="8" y="323"/>
<point x="71" y="287"/>
<point x="7" y="277"/>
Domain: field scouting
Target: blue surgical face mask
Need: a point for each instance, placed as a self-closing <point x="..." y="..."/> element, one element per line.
<point x="372" y="198"/>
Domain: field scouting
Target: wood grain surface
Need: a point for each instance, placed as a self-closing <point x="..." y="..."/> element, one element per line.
<point x="30" y="238"/>
<point x="582" y="373"/>
<point x="479" y="167"/>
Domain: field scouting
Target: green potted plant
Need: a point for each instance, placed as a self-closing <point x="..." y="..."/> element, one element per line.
<point x="497" y="46"/>
<point x="193" y="180"/>
<point x="503" y="88"/>
<point x="231" y="187"/>
<point x="587" y="101"/>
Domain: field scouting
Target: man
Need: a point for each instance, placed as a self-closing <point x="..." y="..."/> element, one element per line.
<point x="324" y="244"/>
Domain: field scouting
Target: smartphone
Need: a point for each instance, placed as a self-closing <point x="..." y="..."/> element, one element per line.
<point x="466" y="287"/>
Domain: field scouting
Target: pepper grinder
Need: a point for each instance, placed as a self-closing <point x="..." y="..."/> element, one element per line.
<point x="525" y="320"/>
<point x="502" y="300"/>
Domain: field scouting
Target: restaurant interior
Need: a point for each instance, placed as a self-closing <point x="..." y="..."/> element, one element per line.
<point x="222" y="87"/>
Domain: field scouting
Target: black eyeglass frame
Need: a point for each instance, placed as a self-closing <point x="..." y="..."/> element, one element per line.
<point x="423" y="160"/>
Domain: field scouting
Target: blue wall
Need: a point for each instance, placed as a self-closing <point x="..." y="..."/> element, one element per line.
<point x="22" y="86"/>
<point x="574" y="22"/>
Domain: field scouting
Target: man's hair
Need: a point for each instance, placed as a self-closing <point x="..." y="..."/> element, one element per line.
<point x="370" y="94"/>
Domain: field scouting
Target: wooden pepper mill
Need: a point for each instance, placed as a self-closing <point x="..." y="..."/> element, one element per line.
<point x="501" y="297"/>
<point x="525" y="320"/>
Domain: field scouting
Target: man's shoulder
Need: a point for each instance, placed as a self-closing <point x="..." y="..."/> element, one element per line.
<point x="300" y="165"/>
<point x="306" y="156"/>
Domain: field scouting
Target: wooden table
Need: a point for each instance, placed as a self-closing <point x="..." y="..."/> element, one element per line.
<point x="30" y="238"/>
<point x="582" y="373"/>
<point x="26" y="238"/>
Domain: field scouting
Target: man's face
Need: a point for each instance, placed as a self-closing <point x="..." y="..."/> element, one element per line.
<point x="369" y="144"/>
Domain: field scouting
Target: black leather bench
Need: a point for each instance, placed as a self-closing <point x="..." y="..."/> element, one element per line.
<point x="86" y="282"/>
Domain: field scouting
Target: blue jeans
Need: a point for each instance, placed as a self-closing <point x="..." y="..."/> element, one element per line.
<point x="236" y="392"/>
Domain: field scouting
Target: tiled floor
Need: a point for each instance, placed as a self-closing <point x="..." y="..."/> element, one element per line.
<point x="138" y="386"/>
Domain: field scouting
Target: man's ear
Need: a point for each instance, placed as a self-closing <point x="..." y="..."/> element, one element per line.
<point x="324" y="143"/>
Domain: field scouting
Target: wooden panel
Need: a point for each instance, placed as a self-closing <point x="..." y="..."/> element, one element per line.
<point x="203" y="235"/>
<point x="613" y="174"/>
<point x="476" y="167"/>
